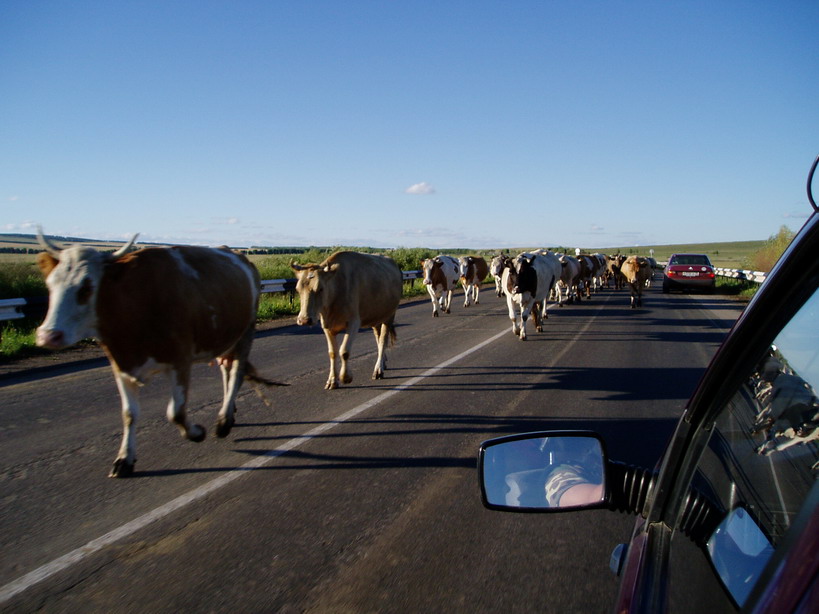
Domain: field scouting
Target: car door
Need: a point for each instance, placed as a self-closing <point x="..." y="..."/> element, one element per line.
<point x="734" y="509"/>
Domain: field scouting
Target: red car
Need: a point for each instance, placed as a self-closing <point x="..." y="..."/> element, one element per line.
<point x="689" y="271"/>
<point x="729" y="520"/>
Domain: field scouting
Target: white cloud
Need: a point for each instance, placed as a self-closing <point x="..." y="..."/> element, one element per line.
<point x="420" y="188"/>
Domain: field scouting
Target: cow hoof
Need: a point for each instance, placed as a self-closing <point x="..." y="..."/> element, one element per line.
<point x="434" y="314"/>
<point x="197" y="433"/>
<point x="331" y="385"/>
<point x="122" y="469"/>
<point x="378" y="375"/>
<point x="223" y="427"/>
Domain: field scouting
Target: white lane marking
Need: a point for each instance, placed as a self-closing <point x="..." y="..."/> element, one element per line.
<point x="75" y="556"/>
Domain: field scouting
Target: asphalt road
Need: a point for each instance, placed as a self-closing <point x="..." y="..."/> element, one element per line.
<point x="362" y="499"/>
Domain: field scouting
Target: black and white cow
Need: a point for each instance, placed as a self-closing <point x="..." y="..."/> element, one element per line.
<point x="527" y="281"/>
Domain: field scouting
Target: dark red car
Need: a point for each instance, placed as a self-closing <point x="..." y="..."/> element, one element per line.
<point x="687" y="271"/>
<point x="729" y="521"/>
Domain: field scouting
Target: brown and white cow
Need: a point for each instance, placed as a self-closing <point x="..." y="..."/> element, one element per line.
<point x="155" y="310"/>
<point x="595" y="265"/>
<point x="346" y="292"/>
<point x="473" y="270"/>
<point x="635" y="271"/>
<point x="441" y="275"/>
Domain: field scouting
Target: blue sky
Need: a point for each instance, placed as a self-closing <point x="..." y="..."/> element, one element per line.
<point x="416" y="124"/>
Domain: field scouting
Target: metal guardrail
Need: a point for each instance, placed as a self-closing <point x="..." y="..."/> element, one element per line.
<point x="17" y="308"/>
<point x="755" y="276"/>
<point x="12" y="308"/>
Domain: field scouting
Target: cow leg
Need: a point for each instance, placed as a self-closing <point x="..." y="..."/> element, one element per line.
<point x="177" y="407"/>
<point x="477" y="292"/>
<point x="346" y="346"/>
<point x="537" y="313"/>
<point x="448" y="301"/>
<point x="467" y="294"/>
<point x="332" y="351"/>
<point x="510" y="304"/>
<point x="524" y="316"/>
<point x="129" y="394"/>
<point x="382" y="332"/>
<point x="434" y="298"/>
<point x="233" y="368"/>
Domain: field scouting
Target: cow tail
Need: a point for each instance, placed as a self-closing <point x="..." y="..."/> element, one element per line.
<point x="391" y="332"/>
<point x="259" y="383"/>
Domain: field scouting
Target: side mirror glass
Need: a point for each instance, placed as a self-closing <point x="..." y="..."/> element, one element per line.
<point x="544" y="471"/>
<point x="739" y="551"/>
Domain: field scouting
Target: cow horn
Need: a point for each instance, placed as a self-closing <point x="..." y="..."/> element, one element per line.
<point x="46" y="244"/>
<point x="126" y="248"/>
<point x="296" y="266"/>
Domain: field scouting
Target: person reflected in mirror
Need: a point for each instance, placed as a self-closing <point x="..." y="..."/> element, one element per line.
<point x="569" y="473"/>
<point x="571" y="486"/>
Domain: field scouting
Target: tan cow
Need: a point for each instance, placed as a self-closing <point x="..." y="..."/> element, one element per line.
<point x="348" y="291"/>
<point x="613" y="273"/>
<point x="635" y="271"/>
<point x="155" y="310"/>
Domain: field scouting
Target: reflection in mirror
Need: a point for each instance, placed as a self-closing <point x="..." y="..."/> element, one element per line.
<point x="739" y="551"/>
<point x="543" y="471"/>
<point x="785" y="388"/>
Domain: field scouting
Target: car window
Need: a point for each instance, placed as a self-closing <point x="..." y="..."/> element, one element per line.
<point x="691" y="260"/>
<point x="761" y="461"/>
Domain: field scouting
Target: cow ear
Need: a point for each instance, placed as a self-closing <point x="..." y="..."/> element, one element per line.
<point x="46" y="262"/>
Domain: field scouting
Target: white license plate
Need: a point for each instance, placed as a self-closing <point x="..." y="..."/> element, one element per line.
<point x="690" y="274"/>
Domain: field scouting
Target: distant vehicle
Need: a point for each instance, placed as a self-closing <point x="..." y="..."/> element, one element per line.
<point x="729" y="520"/>
<point x="689" y="271"/>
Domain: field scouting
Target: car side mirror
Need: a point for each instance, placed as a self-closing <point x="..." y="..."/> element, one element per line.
<point x="545" y="471"/>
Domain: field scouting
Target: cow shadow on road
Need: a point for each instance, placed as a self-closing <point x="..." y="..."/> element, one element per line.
<point x="600" y="383"/>
<point x="638" y="442"/>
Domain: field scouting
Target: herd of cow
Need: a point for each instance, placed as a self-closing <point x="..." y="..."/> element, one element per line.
<point x="160" y="310"/>
<point x="531" y="279"/>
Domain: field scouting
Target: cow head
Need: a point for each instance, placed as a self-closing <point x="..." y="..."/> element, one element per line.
<point x="525" y="275"/>
<point x="73" y="276"/>
<point x="313" y="283"/>
<point x="429" y="266"/>
<point x="463" y="266"/>
<point x="497" y="264"/>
